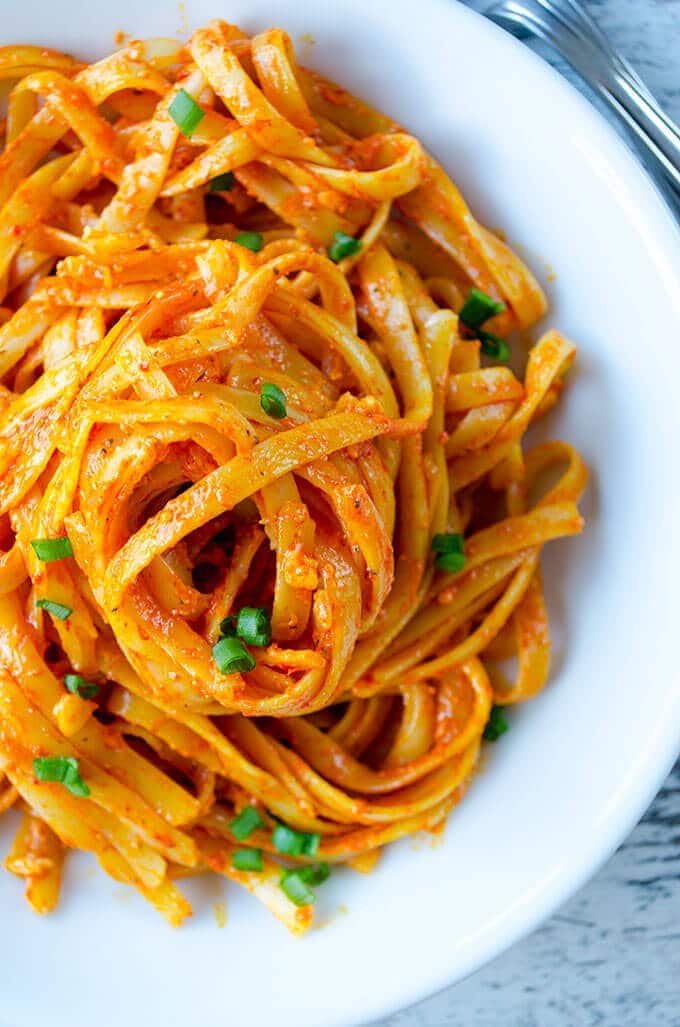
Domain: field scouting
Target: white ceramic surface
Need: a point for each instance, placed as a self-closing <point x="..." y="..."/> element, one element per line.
<point x="581" y="761"/>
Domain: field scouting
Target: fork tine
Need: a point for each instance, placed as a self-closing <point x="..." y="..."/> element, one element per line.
<point x="580" y="22"/>
<point x="575" y="16"/>
<point x="509" y="20"/>
<point x="570" y="30"/>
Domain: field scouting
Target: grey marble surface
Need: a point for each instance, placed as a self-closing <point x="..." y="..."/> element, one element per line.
<point x="611" y="956"/>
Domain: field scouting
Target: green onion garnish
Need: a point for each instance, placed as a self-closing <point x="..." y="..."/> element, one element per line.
<point x="57" y="610"/>
<point x="63" y="769"/>
<point x="295" y="883"/>
<point x="186" y="113"/>
<point x="496" y="725"/>
<point x="343" y="245"/>
<point x="247" y="821"/>
<point x="253" y="625"/>
<point x="450" y="563"/>
<point x="295" y="888"/>
<point x="478" y="308"/>
<point x="49" y="549"/>
<point x="251" y="240"/>
<point x="231" y="656"/>
<point x="228" y="625"/>
<point x="447" y="542"/>
<point x="450" y="552"/>
<point x="273" y="400"/>
<point x="310" y="846"/>
<point x="493" y="346"/>
<point x="315" y="874"/>
<point x="294" y="843"/>
<point x="77" y="685"/>
<point x="287" y="840"/>
<point x="247" y="859"/>
<point x="222" y="183"/>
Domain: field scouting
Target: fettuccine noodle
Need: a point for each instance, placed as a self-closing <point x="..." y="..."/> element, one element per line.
<point x="268" y="524"/>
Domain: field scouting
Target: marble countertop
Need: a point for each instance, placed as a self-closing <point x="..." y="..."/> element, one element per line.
<point x="611" y="956"/>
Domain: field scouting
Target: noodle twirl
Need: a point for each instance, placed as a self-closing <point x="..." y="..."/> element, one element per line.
<point x="269" y="527"/>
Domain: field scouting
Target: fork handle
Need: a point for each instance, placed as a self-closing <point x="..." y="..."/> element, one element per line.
<point x="614" y="80"/>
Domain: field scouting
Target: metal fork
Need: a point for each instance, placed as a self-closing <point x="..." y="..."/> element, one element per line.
<point x="570" y="30"/>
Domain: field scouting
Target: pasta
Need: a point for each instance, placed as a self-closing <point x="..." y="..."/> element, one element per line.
<point x="269" y="527"/>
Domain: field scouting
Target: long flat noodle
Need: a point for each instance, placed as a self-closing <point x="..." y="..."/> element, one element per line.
<point x="364" y="531"/>
<point x="27" y="206"/>
<point x="8" y="794"/>
<point x="115" y="72"/>
<point x="359" y="358"/>
<point x="264" y="885"/>
<point x="274" y="59"/>
<point x="80" y="112"/>
<point x="380" y="282"/>
<point x="291" y="204"/>
<point x="246" y="102"/>
<point x="141" y="181"/>
<point x="164" y="896"/>
<point x="37" y="855"/>
<point x="230" y="152"/>
<point x="269" y="525"/>
<point x="292" y="537"/>
<point x="326" y="755"/>
<point x="92" y="829"/>
<point x="236" y="481"/>
<point x="17" y="61"/>
<point x="107" y="793"/>
<point x="404" y="170"/>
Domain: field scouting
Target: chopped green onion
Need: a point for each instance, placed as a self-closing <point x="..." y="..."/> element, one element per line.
<point x="247" y="859"/>
<point x="496" y="725"/>
<point x="77" y="685"/>
<point x="247" y="821"/>
<point x="228" y="625"/>
<point x="310" y="846"/>
<point x="449" y="547"/>
<point x="315" y="874"/>
<point x="447" y="542"/>
<point x="273" y="400"/>
<point x="49" y="549"/>
<point x="57" y="610"/>
<point x="186" y="113"/>
<point x="253" y="625"/>
<point x="450" y="563"/>
<point x="64" y="770"/>
<point x="294" y="843"/>
<point x="478" y="308"/>
<point x="295" y="883"/>
<point x="287" y="840"/>
<point x="493" y="346"/>
<point x="251" y="240"/>
<point x="231" y="656"/>
<point x="222" y="183"/>
<point x="343" y="245"/>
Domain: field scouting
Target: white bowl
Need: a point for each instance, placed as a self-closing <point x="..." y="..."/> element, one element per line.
<point x="581" y="761"/>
